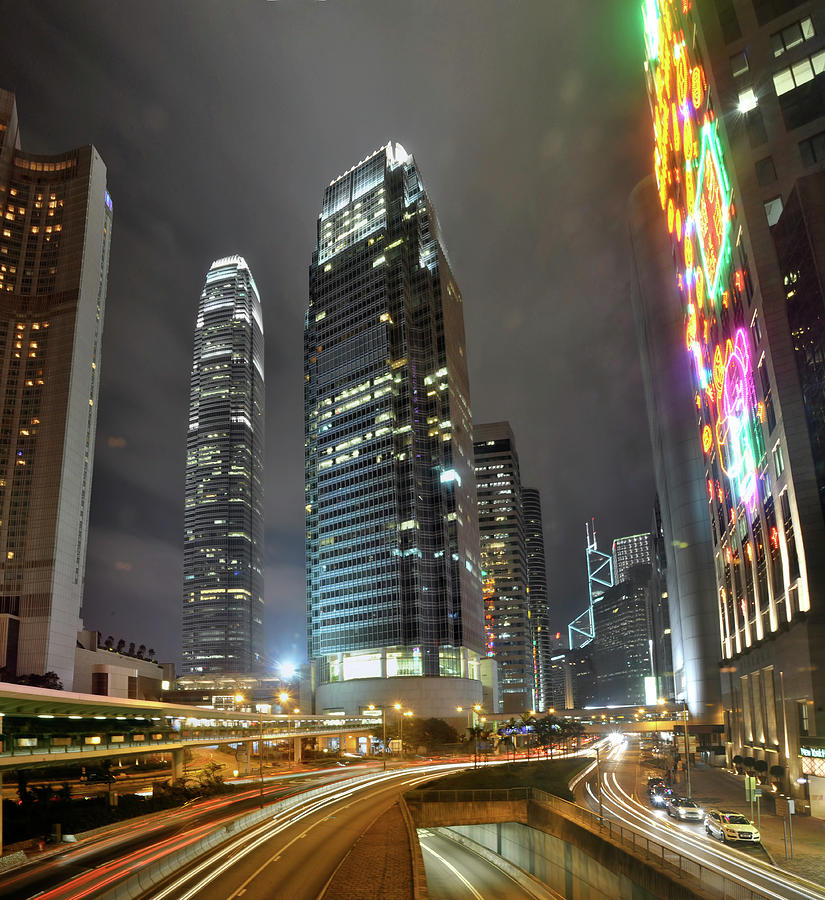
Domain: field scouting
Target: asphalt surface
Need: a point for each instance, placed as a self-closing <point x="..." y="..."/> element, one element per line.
<point x="294" y="854"/>
<point x="456" y="873"/>
<point x="73" y="863"/>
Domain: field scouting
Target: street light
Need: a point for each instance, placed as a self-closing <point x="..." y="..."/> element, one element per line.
<point x="383" y="709"/>
<point x="687" y="746"/>
<point x="408" y="713"/>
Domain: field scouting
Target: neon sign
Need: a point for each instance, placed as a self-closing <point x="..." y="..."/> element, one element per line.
<point x="736" y="398"/>
<point x="711" y="214"/>
<point x="697" y="204"/>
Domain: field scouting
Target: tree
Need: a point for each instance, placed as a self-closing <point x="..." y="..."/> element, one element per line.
<point x="749" y="762"/>
<point x="108" y="642"/>
<point x="121" y="644"/>
<point x="739" y="762"/>
<point x="48" y="680"/>
<point x="476" y="733"/>
<point x="429" y="732"/>
<point x="528" y="721"/>
<point x="141" y="650"/>
<point x="760" y="766"/>
<point x="546" y="733"/>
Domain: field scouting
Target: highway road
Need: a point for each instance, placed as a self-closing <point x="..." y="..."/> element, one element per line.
<point x="70" y="871"/>
<point x="295" y="853"/>
<point x="748" y="866"/>
<point x="456" y="873"/>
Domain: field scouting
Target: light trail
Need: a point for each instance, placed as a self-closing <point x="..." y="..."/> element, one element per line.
<point x="454" y="870"/>
<point x="730" y="863"/>
<point x="249" y="842"/>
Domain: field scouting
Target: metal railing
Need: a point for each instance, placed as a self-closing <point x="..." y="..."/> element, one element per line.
<point x="640" y="844"/>
<point x="20" y="744"/>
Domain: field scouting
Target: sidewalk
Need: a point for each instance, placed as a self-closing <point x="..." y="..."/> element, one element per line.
<point x="720" y="788"/>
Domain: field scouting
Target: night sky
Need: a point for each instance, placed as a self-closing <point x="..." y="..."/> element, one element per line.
<point x="221" y="123"/>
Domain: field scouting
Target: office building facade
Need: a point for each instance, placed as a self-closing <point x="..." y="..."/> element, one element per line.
<point x="620" y="651"/>
<point x="507" y="620"/>
<point x="394" y="606"/>
<point x="223" y="578"/>
<point x="737" y="97"/>
<point x="628" y="552"/>
<point x="54" y="261"/>
<point x="544" y="642"/>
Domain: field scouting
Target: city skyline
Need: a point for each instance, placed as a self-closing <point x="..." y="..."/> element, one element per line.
<point x="537" y="156"/>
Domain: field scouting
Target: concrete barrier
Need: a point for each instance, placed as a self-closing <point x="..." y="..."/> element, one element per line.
<point x="572" y="859"/>
<point x="525" y="880"/>
<point x="12" y="860"/>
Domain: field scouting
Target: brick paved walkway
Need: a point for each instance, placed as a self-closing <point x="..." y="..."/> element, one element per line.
<point x="379" y="864"/>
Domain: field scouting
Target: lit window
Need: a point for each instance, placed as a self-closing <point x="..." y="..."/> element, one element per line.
<point x="773" y="210"/>
<point x="747" y="100"/>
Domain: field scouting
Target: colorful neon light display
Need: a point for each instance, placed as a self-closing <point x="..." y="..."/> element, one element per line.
<point x="711" y="213"/>
<point x="697" y="204"/>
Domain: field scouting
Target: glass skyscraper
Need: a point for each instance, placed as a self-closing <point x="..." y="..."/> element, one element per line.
<point x="544" y="641"/>
<point x="509" y="636"/>
<point x="628" y="552"/>
<point x="393" y="579"/>
<point x="54" y="263"/>
<point x="223" y="547"/>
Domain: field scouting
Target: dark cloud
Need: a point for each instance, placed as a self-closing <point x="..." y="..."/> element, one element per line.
<point x="221" y="123"/>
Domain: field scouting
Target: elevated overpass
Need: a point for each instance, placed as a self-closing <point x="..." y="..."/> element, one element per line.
<point x="40" y="726"/>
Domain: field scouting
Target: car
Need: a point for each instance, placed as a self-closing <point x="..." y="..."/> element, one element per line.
<point x="660" y="794"/>
<point x="731" y="826"/>
<point x="685" y="809"/>
<point x="652" y="783"/>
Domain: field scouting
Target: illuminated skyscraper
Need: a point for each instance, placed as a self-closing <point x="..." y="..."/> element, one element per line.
<point x="629" y="552"/>
<point x="508" y="624"/>
<point x="544" y="643"/>
<point x="736" y="91"/>
<point x="54" y="261"/>
<point x="394" y="603"/>
<point x="223" y="546"/>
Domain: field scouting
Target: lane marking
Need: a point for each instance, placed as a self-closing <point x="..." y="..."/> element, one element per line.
<point x="455" y="872"/>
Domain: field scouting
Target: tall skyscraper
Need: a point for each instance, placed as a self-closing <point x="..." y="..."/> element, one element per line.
<point x="54" y="262"/>
<point x="509" y="630"/>
<point x="628" y="552"/>
<point x="736" y="92"/>
<point x="620" y="650"/>
<point x="224" y="527"/>
<point x="677" y="461"/>
<point x="544" y="643"/>
<point x="394" y="609"/>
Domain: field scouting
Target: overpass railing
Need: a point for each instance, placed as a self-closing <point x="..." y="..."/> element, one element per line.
<point x="639" y="843"/>
<point x="24" y="743"/>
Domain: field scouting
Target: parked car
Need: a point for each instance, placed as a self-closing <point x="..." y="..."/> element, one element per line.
<point x="685" y="809"/>
<point x="661" y="794"/>
<point x="730" y="826"/>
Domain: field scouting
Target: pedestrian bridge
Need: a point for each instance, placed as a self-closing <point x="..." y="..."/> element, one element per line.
<point x="40" y="726"/>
